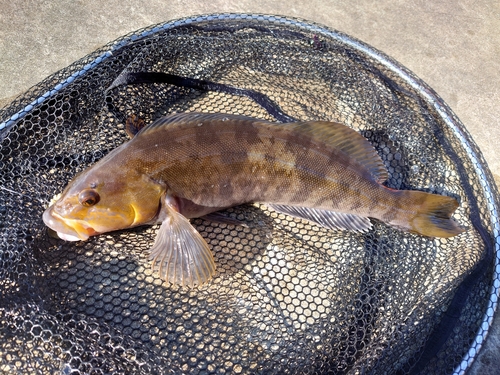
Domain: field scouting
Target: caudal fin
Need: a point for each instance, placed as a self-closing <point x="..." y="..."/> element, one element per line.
<point x="433" y="218"/>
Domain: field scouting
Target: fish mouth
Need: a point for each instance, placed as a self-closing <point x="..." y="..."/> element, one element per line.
<point x="67" y="229"/>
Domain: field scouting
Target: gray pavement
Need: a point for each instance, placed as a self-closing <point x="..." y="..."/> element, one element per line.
<point x="454" y="46"/>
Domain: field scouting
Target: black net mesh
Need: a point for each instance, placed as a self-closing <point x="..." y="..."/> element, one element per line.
<point x="288" y="296"/>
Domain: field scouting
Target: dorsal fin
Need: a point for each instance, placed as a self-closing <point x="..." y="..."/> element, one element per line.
<point x="133" y="125"/>
<point x="195" y="117"/>
<point x="348" y="141"/>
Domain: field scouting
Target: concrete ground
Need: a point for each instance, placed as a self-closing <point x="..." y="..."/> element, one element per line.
<point x="454" y="46"/>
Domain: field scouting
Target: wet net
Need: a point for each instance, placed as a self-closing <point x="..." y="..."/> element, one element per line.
<point x="289" y="297"/>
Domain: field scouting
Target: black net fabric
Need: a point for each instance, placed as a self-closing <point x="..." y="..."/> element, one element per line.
<point x="289" y="297"/>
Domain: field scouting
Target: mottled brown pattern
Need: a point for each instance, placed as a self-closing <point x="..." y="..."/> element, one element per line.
<point x="214" y="161"/>
<point x="227" y="160"/>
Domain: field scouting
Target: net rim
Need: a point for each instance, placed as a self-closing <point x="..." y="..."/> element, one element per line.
<point x="427" y="93"/>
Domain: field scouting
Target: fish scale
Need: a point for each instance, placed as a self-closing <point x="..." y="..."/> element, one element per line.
<point x="284" y="162"/>
<point x="189" y="165"/>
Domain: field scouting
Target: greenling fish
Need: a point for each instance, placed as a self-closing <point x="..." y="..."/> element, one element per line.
<point x="189" y="165"/>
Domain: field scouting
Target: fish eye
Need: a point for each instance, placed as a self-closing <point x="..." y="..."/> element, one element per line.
<point x="88" y="198"/>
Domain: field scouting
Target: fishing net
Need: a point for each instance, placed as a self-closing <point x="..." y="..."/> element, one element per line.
<point x="289" y="297"/>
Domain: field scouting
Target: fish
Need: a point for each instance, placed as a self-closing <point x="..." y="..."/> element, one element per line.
<point x="189" y="165"/>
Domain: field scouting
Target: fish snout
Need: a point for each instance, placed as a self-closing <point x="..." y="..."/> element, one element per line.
<point x="68" y="230"/>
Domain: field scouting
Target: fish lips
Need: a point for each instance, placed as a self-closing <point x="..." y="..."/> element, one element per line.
<point x="67" y="229"/>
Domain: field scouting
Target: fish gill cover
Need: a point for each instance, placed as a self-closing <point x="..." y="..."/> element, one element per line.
<point x="289" y="296"/>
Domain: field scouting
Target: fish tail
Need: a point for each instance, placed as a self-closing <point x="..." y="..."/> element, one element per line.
<point x="433" y="216"/>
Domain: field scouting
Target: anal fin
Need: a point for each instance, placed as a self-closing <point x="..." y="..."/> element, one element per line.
<point x="180" y="254"/>
<point x="325" y="218"/>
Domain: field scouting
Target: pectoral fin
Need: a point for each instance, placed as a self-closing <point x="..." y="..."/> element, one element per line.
<point x="325" y="218"/>
<point x="180" y="254"/>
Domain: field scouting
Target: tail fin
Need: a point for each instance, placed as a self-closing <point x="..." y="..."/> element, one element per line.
<point x="433" y="218"/>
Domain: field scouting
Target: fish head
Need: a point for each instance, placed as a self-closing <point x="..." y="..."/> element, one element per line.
<point x="99" y="200"/>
